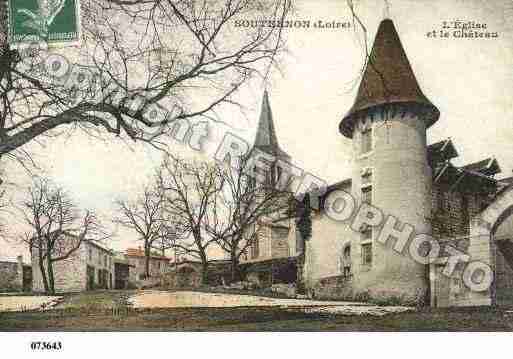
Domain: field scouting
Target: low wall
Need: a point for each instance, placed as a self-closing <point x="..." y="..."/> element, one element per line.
<point x="333" y="288"/>
<point x="11" y="277"/>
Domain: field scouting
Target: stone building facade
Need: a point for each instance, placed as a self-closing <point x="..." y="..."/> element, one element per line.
<point x="159" y="265"/>
<point x="396" y="171"/>
<point x="90" y="267"/>
<point x="15" y="276"/>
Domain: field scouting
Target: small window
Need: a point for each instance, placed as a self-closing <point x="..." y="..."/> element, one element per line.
<point x="90" y="254"/>
<point x="367" y="178"/>
<point x="367" y="254"/>
<point x="366" y="140"/>
<point x="367" y="194"/>
<point x="105" y="261"/>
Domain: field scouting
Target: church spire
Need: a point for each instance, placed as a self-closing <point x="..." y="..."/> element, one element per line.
<point x="388" y="79"/>
<point x="266" y="139"/>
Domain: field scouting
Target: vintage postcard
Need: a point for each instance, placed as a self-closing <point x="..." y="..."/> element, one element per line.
<point x="249" y="166"/>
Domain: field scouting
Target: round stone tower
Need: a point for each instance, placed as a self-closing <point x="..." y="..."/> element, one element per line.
<point x="387" y="124"/>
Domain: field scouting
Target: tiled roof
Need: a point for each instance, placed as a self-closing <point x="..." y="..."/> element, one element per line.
<point x="339" y="184"/>
<point x="462" y="178"/>
<point x="318" y="201"/>
<point x="136" y="252"/>
<point x="97" y="245"/>
<point x="440" y="152"/>
<point x="437" y="146"/>
<point x="88" y="241"/>
<point x="506" y="181"/>
<point x="442" y="149"/>
<point x="388" y="79"/>
<point x="488" y="166"/>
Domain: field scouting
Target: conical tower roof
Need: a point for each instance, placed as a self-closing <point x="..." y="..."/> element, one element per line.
<point x="388" y="79"/>
<point x="266" y="139"/>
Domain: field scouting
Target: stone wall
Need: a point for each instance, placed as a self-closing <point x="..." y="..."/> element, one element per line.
<point x="264" y="238"/>
<point x="504" y="262"/>
<point x="324" y="249"/>
<point x="157" y="268"/>
<point x="10" y="279"/>
<point x="184" y="276"/>
<point x="279" y="242"/>
<point x="336" y="287"/>
<point x="485" y="250"/>
<point x="452" y="211"/>
<point x="504" y="273"/>
<point x="450" y="221"/>
<point x="69" y="274"/>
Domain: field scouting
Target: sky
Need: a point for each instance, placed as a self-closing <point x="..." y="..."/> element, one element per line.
<point x="469" y="80"/>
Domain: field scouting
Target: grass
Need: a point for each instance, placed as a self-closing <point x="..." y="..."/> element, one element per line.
<point x="108" y="311"/>
<point x="22" y="294"/>
<point x="95" y="300"/>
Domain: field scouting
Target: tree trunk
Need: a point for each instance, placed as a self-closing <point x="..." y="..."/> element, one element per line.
<point x="203" y="256"/>
<point x="234" y="266"/>
<point x="49" y="269"/>
<point x="42" y="268"/>
<point x="147" y="254"/>
<point x="204" y="268"/>
<point x="204" y="273"/>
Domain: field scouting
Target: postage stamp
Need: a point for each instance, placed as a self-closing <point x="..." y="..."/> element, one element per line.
<point x="53" y="21"/>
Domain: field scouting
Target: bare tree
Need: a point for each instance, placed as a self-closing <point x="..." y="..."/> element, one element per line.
<point x="2" y="201"/>
<point x="188" y="57"/>
<point x="248" y="205"/>
<point x="57" y="228"/>
<point x="144" y="215"/>
<point x="3" y="206"/>
<point x="190" y="191"/>
<point x="304" y="227"/>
